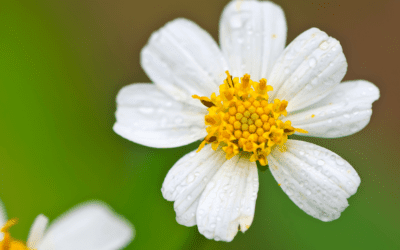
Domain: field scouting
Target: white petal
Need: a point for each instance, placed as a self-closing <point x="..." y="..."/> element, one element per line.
<point x="252" y="36"/>
<point x="37" y="231"/>
<point x="309" y="68"/>
<point x="184" y="60"/>
<point x="148" y="116"/>
<point x="187" y="179"/>
<point x="88" y="227"/>
<point x="317" y="180"/>
<point x="229" y="200"/>
<point x="3" y="218"/>
<point x="345" y="111"/>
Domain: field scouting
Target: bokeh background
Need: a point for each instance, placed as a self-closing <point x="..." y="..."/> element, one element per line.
<point x="62" y="64"/>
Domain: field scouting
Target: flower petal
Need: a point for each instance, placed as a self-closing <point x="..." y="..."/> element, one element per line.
<point x="91" y="226"/>
<point x="148" y="116"/>
<point x="229" y="200"/>
<point x="3" y="218"/>
<point x="317" y="180"/>
<point x="345" y="111"/>
<point x="184" y="60"/>
<point x="187" y="179"/>
<point x="37" y="231"/>
<point x="309" y="68"/>
<point x="252" y="36"/>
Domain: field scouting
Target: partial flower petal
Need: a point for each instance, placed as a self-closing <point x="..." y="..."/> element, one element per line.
<point x="187" y="179"/>
<point x="148" y="116"/>
<point x="345" y="111"/>
<point x="308" y="69"/>
<point x="88" y="227"/>
<point x="252" y="36"/>
<point x="184" y="60"/>
<point x="317" y="180"/>
<point x="3" y="218"/>
<point x="229" y="200"/>
<point x="37" y="231"/>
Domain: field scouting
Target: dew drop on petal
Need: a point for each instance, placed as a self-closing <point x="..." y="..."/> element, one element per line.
<point x="324" y="45"/>
<point x="312" y="62"/>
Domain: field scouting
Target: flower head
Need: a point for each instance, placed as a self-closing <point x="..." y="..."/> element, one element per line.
<point x="88" y="226"/>
<point x="244" y="101"/>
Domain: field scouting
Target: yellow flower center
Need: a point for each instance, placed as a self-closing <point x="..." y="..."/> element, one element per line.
<point x="8" y="243"/>
<point x="242" y="120"/>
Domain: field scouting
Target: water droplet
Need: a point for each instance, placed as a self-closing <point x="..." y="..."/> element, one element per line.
<point x="308" y="192"/>
<point x="339" y="161"/>
<point x="168" y="104"/>
<point x="178" y="120"/>
<point x="334" y="179"/>
<point x="190" y="178"/>
<point x="189" y="197"/>
<point x="205" y="179"/>
<point x="289" y="191"/>
<point x="192" y="214"/>
<point x="219" y="218"/>
<point x="217" y="238"/>
<point x="240" y="40"/>
<point x="191" y="154"/>
<point x="324" y="45"/>
<point x="301" y="184"/>
<point x="314" y="81"/>
<point x="201" y="211"/>
<point x="330" y="121"/>
<point x="197" y="174"/>
<point x="286" y="70"/>
<point x="146" y="110"/>
<point x="346" y="116"/>
<point x="320" y="162"/>
<point x="301" y="152"/>
<point x="334" y="49"/>
<point x="295" y="78"/>
<point x="312" y="62"/>
<point x="235" y="21"/>
<point x="300" y="205"/>
<point x="212" y="225"/>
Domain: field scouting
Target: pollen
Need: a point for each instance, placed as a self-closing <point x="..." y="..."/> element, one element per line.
<point x="8" y="243"/>
<point x="242" y="120"/>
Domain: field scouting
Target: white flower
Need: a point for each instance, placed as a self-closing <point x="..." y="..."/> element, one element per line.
<point x="219" y="195"/>
<point x="87" y="226"/>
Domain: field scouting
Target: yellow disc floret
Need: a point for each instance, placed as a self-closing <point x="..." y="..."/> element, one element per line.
<point x="242" y="121"/>
<point x="8" y="243"/>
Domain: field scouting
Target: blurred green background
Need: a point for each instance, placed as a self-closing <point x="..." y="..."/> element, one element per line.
<point x="61" y="66"/>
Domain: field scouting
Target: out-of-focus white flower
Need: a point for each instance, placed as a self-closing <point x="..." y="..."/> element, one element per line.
<point x="216" y="188"/>
<point x="88" y="226"/>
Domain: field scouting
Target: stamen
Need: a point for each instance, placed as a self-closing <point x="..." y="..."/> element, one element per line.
<point x="242" y="121"/>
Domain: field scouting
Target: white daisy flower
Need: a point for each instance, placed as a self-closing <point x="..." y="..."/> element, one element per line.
<point x="246" y="120"/>
<point x="85" y="227"/>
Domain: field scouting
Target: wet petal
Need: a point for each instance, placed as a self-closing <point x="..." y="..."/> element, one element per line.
<point x="183" y="60"/>
<point x="186" y="180"/>
<point x="317" y="180"/>
<point x="345" y="111"/>
<point x="148" y="116"/>
<point x="229" y="200"/>
<point x="308" y="69"/>
<point x="252" y="36"/>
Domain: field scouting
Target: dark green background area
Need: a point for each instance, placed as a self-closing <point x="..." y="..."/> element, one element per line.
<point x="61" y="66"/>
